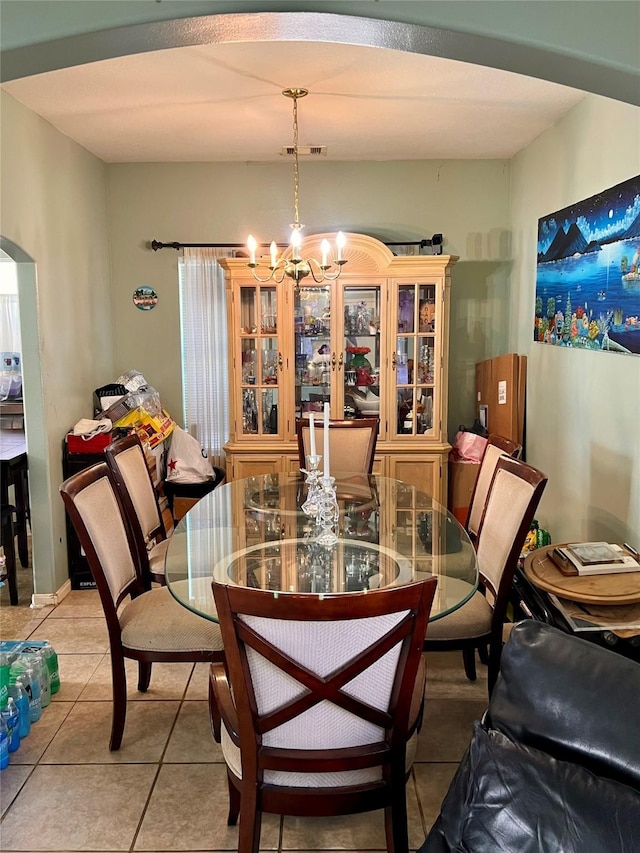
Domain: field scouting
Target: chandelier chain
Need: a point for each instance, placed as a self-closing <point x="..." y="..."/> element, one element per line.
<point x="296" y="171"/>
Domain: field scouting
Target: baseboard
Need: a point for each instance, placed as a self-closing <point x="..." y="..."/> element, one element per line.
<point x="51" y="598"/>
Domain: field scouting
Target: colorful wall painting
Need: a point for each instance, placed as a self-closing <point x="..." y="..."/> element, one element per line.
<point x="588" y="273"/>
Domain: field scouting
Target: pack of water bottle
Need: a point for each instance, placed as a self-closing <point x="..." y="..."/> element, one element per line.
<point x="29" y="675"/>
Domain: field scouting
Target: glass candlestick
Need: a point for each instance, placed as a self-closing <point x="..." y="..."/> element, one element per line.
<point x="312" y="479"/>
<point x="327" y="512"/>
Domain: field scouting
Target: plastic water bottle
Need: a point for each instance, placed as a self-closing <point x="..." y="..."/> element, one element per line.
<point x="4" y="743"/>
<point x="41" y="671"/>
<point x="51" y="659"/>
<point x="11" y="716"/>
<point x="5" y="669"/>
<point x="20" y="697"/>
<point x="35" y="704"/>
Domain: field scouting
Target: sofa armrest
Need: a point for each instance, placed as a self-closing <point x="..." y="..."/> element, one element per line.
<point x="571" y="698"/>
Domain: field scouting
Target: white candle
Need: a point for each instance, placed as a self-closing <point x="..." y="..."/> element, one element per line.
<point x="274" y="253"/>
<point x="252" y="246"/>
<point x="324" y="246"/>
<point x="312" y="435"/>
<point x="326" y="440"/>
<point x="340" y="243"/>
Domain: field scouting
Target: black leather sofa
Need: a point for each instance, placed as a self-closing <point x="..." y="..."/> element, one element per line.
<point x="554" y="767"/>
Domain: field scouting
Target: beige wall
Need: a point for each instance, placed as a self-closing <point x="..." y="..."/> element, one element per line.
<point x="467" y="201"/>
<point x="54" y="209"/>
<point x="583" y="407"/>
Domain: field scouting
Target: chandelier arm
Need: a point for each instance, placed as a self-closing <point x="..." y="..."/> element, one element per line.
<point x="258" y="278"/>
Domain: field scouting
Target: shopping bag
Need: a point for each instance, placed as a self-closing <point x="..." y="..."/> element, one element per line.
<point x="186" y="463"/>
<point x="468" y="447"/>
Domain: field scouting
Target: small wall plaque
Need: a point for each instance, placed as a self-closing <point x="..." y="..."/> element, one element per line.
<point x="145" y="298"/>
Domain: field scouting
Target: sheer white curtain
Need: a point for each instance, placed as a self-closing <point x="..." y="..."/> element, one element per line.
<point x="205" y="374"/>
<point x="9" y="323"/>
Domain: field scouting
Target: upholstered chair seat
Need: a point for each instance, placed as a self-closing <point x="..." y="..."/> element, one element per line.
<point x="144" y="624"/>
<point x="320" y="703"/>
<point x="512" y="498"/>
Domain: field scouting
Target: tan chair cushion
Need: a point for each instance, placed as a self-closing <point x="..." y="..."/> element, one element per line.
<point x="155" y="621"/>
<point x="471" y="620"/>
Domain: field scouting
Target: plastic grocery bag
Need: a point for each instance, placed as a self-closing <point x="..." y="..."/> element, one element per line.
<point x="186" y="463"/>
<point x="467" y="447"/>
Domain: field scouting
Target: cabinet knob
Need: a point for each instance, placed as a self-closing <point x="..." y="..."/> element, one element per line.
<point x="333" y="361"/>
<point x="280" y="361"/>
<point x="340" y="360"/>
<point x="394" y="360"/>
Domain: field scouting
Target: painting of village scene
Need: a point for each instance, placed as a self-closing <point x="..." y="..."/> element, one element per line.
<point x="588" y="273"/>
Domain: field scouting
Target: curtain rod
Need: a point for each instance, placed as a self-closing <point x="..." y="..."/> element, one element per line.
<point x="156" y="244"/>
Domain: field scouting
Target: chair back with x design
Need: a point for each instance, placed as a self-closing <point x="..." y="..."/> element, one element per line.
<point x="327" y="694"/>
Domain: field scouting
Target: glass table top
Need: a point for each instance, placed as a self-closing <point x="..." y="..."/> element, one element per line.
<point x="253" y="532"/>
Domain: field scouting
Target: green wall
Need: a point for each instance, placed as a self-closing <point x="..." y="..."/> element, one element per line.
<point x="54" y="208"/>
<point x="467" y="201"/>
<point x="583" y="408"/>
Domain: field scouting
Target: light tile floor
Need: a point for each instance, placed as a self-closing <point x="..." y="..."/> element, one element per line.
<point x="165" y="789"/>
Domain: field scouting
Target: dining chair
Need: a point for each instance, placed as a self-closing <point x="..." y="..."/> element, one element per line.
<point x="352" y="443"/>
<point x="321" y="700"/>
<point x="514" y="494"/>
<point x="128" y="465"/>
<point x="496" y="447"/>
<point x="146" y="625"/>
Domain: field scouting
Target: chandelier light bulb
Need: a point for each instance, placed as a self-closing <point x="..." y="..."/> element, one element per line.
<point x="252" y="246"/>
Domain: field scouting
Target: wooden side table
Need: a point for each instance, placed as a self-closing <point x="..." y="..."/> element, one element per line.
<point x="592" y="603"/>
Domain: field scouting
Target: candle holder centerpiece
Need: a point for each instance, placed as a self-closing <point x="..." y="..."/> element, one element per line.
<point x="327" y="512"/>
<point x="312" y="478"/>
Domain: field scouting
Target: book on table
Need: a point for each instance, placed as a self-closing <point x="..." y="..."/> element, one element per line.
<point x="594" y="558"/>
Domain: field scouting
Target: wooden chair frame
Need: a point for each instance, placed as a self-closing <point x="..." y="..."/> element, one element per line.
<point x="70" y="490"/>
<point x="493" y="639"/>
<point x="231" y="691"/>
<point x="157" y="531"/>
<point x="371" y="424"/>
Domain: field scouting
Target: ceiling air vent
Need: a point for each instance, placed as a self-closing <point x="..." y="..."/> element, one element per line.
<point x="312" y="150"/>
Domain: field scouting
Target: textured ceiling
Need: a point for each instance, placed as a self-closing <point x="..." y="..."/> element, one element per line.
<point x="223" y="102"/>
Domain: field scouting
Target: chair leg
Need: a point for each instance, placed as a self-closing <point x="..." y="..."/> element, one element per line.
<point x="9" y="546"/>
<point x="144" y="676"/>
<point x="234" y="802"/>
<point x="395" y="822"/>
<point x="483" y="654"/>
<point x="119" y="713"/>
<point x="469" y="659"/>
<point x="250" y="822"/>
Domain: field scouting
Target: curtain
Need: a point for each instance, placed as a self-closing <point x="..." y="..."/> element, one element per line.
<point x="9" y="323"/>
<point x="205" y="375"/>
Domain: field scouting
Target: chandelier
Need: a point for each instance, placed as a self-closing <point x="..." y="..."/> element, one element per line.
<point x="295" y="266"/>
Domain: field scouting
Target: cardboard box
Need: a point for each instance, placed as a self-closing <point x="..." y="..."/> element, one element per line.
<point x="462" y="479"/>
<point x="500" y="390"/>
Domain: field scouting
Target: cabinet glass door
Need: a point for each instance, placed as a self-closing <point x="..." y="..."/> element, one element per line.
<point x="414" y="359"/>
<point x="362" y="352"/>
<point x="313" y="354"/>
<point x="261" y="360"/>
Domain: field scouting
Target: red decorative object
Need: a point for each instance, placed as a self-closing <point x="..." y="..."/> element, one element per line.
<point x="358" y="350"/>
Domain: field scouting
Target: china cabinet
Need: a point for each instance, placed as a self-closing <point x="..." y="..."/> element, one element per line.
<point x="372" y="343"/>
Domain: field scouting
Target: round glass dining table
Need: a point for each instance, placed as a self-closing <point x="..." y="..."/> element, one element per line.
<point x="253" y="532"/>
